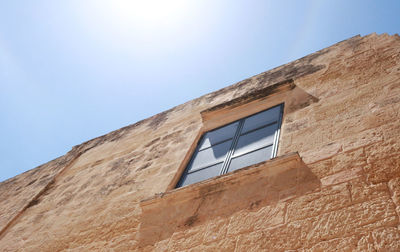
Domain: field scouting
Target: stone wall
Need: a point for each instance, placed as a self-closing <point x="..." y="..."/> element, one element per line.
<point x="93" y="198"/>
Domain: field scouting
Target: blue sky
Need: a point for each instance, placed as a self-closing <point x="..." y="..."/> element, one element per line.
<point x="74" y="70"/>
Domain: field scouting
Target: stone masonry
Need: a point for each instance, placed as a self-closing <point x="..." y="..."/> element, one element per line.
<point x="334" y="186"/>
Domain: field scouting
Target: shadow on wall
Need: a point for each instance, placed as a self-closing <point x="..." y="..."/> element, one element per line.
<point x="249" y="189"/>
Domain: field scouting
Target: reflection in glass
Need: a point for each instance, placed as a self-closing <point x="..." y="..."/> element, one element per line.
<point x="200" y="175"/>
<point x="250" y="158"/>
<point x="260" y="119"/>
<point x="218" y="135"/>
<point x="210" y="156"/>
<point x="255" y="139"/>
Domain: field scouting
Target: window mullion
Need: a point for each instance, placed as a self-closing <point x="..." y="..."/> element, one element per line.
<point x="232" y="148"/>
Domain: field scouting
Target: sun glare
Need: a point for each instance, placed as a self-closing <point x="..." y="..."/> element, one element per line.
<point x="140" y="27"/>
<point x="148" y="14"/>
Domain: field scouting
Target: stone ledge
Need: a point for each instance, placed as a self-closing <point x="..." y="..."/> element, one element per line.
<point x="255" y="95"/>
<point x="262" y="184"/>
<point x="286" y="92"/>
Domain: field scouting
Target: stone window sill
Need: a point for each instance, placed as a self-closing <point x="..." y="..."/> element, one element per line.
<point x="278" y="179"/>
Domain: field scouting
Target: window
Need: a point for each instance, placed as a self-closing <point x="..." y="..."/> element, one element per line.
<point x="239" y="144"/>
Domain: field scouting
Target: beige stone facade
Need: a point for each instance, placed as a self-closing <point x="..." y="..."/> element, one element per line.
<point x="334" y="186"/>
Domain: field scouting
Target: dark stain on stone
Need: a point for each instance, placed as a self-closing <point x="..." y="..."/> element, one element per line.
<point x="295" y="126"/>
<point x="191" y="220"/>
<point x="310" y="100"/>
<point x="107" y="189"/>
<point x="68" y="178"/>
<point x="98" y="162"/>
<point x="290" y="71"/>
<point x="134" y="160"/>
<point x="33" y="203"/>
<point x="128" y="182"/>
<point x="154" y="149"/>
<point x="156" y="152"/>
<point x="8" y="182"/>
<point x="353" y="43"/>
<point x="152" y="142"/>
<point x="253" y="95"/>
<point x="30" y="183"/>
<point x="119" y="166"/>
<point x="174" y="137"/>
<point x="145" y="166"/>
<point x="45" y="176"/>
<point x="48" y="188"/>
<point x="215" y="188"/>
<point x="37" y="218"/>
<point x="84" y="186"/>
<point x="157" y="120"/>
<point x="110" y="137"/>
<point x="255" y="204"/>
<point x="68" y="196"/>
<point x="44" y="181"/>
<point x="153" y="122"/>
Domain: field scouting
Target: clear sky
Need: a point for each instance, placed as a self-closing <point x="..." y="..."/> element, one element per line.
<point x="74" y="70"/>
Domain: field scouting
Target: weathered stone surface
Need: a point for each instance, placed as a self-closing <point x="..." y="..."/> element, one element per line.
<point x="326" y="200"/>
<point x="383" y="239"/>
<point x="186" y="239"/>
<point x="345" y="244"/>
<point x="216" y="230"/>
<point x="266" y="217"/>
<point x="342" y="115"/>
<point x="226" y="245"/>
<point x="347" y="221"/>
<point x="342" y="176"/>
<point x="394" y="187"/>
<point x="380" y="167"/>
<point x="21" y="192"/>
<point x="278" y="239"/>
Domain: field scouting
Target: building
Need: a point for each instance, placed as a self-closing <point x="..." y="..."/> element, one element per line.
<point x="333" y="183"/>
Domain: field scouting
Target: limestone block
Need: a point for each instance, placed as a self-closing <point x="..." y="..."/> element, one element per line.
<point x="364" y="138"/>
<point x="342" y="176"/>
<point x="265" y="218"/>
<point x="326" y="200"/>
<point x="281" y="238"/>
<point x="321" y="153"/>
<point x="347" y="221"/>
<point x="362" y="191"/>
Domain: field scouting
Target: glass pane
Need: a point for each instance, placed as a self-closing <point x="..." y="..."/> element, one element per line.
<point x="201" y="175"/>
<point x="250" y="158"/>
<point x="256" y="139"/>
<point x="210" y="156"/>
<point x="260" y="119"/>
<point x="219" y="135"/>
